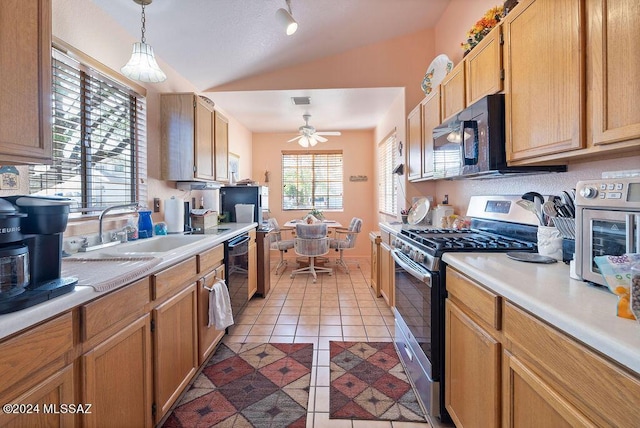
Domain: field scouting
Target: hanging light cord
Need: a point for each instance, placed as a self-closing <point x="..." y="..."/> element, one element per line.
<point x="143" y="24"/>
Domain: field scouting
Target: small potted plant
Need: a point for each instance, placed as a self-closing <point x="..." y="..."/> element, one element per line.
<point x="404" y="215"/>
<point x="317" y="214"/>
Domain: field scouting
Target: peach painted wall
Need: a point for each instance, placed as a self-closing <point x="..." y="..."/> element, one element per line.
<point x="358" y="158"/>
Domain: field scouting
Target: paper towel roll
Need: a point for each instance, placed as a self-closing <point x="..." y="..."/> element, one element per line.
<point x="174" y="215"/>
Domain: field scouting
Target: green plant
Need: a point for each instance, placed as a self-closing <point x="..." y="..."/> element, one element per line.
<point x="316" y="213"/>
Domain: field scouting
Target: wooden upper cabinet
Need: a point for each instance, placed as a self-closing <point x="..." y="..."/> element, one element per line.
<point x="414" y="143"/>
<point x="452" y="92"/>
<point x="544" y="79"/>
<point x="25" y="83"/>
<point x="221" y="142"/>
<point x="430" y="119"/>
<point x="186" y="135"/>
<point x="483" y="67"/>
<point x="613" y="69"/>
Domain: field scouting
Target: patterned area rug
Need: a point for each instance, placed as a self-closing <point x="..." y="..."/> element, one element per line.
<point x="249" y="385"/>
<point x="369" y="382"/>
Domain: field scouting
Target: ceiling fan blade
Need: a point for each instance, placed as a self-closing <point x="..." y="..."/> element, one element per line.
<point x="294" y="139"/>
<point x="320" y="138"/>
<point x="336" y="133"/>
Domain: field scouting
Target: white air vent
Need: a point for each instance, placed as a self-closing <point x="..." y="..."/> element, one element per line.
<point x="301" y="101"/>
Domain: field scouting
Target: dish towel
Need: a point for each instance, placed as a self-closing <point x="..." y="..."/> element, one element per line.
<point x="220" y="314"/>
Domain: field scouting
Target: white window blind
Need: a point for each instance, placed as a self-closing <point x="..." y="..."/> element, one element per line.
<point x="387" y="159"/>
<point x="312" y="180"/>
<point x="99" y="140"/>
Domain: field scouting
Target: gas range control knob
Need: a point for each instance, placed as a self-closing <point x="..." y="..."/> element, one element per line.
<point x="419" y="257"/>
<point x="588" y="192"/>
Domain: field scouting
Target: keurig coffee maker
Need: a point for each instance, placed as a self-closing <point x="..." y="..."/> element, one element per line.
<point x="33" y="252"/>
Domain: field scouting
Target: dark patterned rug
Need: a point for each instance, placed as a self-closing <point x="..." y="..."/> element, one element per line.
<point x="249" y="385"/>
<point x="369" y="382"/>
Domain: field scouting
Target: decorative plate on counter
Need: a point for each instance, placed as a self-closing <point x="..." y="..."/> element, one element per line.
<point x="522" y="256"/>
<point x="418" y="211"/>
<point x="439" y="67"/>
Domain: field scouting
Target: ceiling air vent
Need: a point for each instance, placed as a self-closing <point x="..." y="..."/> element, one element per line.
<point x="301" y="101"/>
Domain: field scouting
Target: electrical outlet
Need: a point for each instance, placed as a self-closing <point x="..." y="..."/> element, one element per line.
<point x="156" y="205"/>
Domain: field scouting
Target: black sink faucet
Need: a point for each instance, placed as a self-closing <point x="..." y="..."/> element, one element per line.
<point x="106" y="210"/>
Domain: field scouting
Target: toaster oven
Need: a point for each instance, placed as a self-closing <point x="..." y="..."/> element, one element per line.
<point x="607" y="222"/>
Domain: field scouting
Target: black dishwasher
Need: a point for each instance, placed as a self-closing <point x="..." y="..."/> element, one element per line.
<point x="236" y="257"/>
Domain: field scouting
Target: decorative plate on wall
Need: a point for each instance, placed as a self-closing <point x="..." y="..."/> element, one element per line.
<point x="439" y="67"/>
<point x="418" y="211"/>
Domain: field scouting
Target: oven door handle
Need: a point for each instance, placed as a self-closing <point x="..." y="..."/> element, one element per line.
<point x="238" y="241"/>
<point x="399" y="258"/>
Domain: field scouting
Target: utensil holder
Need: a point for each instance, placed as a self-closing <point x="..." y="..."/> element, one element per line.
<point x="550" y="242"/>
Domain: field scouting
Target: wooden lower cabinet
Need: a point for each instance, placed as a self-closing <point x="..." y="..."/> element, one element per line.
<point x="387" y="274"/>
<point x="54" y="393"/>
<point x="531" y="402"/>
<point x="117" y="378"/>
<point x="208" y="337"/>
<point x="375" y="239"/>
<point x="472" y="371"/>
<point x="175" y="347"/>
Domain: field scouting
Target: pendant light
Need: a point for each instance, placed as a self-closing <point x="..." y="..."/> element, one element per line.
<point x="286" y="19"/>
<point x="142" y="65"/>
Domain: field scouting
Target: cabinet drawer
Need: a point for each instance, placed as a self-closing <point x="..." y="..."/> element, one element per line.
<point x="210" y="259"/>
<point x="33" y="350"/>
<point x="600" y="389"/>
<point x="483" y="303"/>
<point x="105" y="312"/>
<point x="174" y="278"/>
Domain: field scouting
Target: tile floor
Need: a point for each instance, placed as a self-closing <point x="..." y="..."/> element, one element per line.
<point x="337" y="307"/>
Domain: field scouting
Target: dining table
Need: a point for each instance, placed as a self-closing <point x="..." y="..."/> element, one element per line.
<point x="331" y="224"/>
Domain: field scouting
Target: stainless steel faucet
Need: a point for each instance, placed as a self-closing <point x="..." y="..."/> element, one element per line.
<point x="106" y="210"/>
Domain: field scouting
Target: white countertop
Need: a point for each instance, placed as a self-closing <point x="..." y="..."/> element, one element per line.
<point x="583" y="311"/>
<point x="17" y="321"/>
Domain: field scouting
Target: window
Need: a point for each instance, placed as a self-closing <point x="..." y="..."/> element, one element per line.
<point x="99" y="140"/>
<point x="312" y="180"/>
<point x="387" y="203"/>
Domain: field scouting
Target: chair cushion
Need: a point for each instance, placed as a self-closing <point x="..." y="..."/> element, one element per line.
<point x="282" y="245"/>
<point x="339" y="243"/>
<point x="318" y="230"/>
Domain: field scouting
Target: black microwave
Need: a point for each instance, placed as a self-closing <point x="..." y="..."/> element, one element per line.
<point x="472" y="144"/>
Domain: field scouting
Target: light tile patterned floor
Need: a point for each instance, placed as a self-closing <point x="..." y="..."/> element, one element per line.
<point x="337" y="307"/>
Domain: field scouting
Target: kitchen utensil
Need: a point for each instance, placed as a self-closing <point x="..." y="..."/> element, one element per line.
<point x="530" y="206"/>
<point x="530" y="257"/>
<point x="567" y="200"/>
<point x="549" y="209"/>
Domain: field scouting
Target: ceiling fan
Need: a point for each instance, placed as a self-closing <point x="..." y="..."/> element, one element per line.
<point x="308" y="134"/>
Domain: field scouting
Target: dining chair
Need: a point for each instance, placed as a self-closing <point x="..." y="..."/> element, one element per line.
<point x="276" y="241"/>
<point x="311" y="241"/>
<point x="345" y="239"/>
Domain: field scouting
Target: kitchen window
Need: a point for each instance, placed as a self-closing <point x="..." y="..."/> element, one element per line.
<point x="99" y="139"/>
<point x="312" y="180"/>
<point x="387" y="159"/>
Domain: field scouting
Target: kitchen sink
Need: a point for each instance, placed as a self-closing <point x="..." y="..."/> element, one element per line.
<point x="155" y="245"/>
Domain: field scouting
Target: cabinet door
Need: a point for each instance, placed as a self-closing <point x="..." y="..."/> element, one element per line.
<point x="222" y="147"/>
<point x="48" y="396"/>
<point x="203" y="141"/>
<point x="544" y="86"/>
<point x="253" y="265"/>
<point x="387" y="274"/>
<point x="175" y="347"/>
<point x="452" y="93"/>
<point x="208" y="337"/>
<point x="430" y="119"/>
<point x="472" y="371"/>
<point x="483" y="67"/>
<point x="25" y="86"/>
<point x="530" y="402"/>
<point x="613" y="70"/>
<point x="375" y="264"/>
<point x="117" y="378"/>
<point x="177" y="126"/>
<point x="414" y="143"/>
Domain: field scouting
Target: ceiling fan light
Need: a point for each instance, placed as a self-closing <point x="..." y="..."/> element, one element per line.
<point x="313" y="141"/>
<point x="142" y="65"/>
<point x="285" y="18"/>
<point x="304" y="141"/>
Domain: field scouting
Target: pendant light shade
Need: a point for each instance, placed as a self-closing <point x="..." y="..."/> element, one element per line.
<point x="285" y="18"/>
<point x="142" y="65"/>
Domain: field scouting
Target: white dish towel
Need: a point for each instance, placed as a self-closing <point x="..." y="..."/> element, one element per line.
<point x="220" y="314"/>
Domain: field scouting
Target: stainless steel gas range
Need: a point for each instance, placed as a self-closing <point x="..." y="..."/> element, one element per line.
<point x="497" y="225"/>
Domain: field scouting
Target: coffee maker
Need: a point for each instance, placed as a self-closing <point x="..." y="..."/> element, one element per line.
<point x="37" y="224"/>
